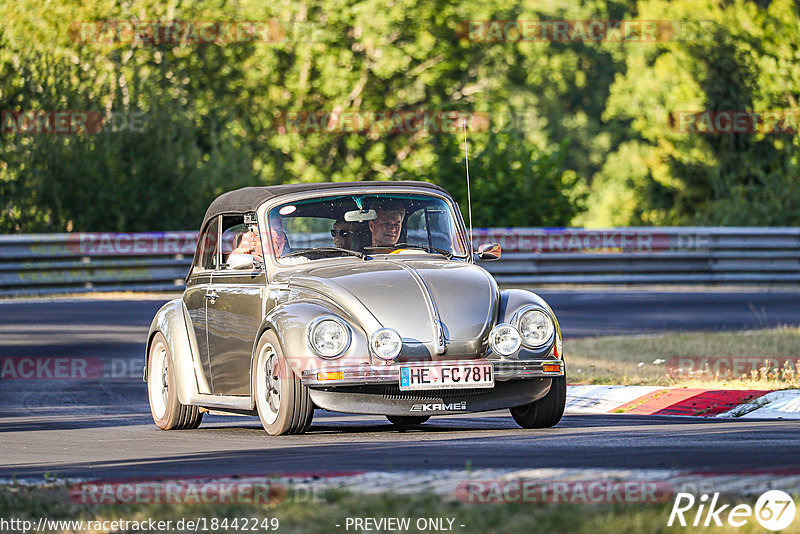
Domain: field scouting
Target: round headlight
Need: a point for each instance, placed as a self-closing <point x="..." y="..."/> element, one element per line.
<point x="504" y="339"/>
<point x="386" y="343"/>
<point x="328" y="337"/>
<point x="535" y="327"/>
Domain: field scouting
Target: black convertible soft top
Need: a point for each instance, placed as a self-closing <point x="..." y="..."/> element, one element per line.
<point x="250" y="198"/>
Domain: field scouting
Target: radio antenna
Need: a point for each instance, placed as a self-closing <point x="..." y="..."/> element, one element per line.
<point x="469" y="196"/>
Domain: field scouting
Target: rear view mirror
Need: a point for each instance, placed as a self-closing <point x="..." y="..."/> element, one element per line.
<point x="360" y="215"/>
<point x="241" y="261"/>
<point x="489" y="251"/>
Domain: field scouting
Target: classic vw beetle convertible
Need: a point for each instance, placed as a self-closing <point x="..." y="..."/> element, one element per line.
<point x="360" y="297"/>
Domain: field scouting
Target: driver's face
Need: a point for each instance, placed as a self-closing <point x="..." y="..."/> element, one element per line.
<point x="386" y="228"/>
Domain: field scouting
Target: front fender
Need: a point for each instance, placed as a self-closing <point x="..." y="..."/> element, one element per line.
<point x="511" y="300"/>
<point x="172" y="320"/>
<point x="290" y="323"/>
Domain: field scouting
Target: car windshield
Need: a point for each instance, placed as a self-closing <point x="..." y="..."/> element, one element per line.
<point x="366" y="224"/>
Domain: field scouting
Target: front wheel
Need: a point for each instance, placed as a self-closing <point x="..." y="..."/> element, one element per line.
<point x="168" y="413"/>
<point x="407" y="420"/>
<point x="545" y="412"/>
<point x="283" y="403"/>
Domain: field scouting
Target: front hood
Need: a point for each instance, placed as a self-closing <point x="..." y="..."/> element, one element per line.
<point x="408" y="295"/>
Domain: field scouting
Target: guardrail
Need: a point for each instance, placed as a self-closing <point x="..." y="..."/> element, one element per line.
<point x="83" y="262"/>
<point x="643" y="255"/>
<point x="158" y="261"/>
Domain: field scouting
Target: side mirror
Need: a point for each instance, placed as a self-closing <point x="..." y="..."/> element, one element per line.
<point x="241" y="261"/>
<point x="489" y="251"/>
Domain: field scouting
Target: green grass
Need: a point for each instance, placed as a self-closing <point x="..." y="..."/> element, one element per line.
<point x="641" y="360"/>
<point x="334" y="508"/>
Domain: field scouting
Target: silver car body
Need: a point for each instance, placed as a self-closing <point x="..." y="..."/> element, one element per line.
<point x="443" y="309"/>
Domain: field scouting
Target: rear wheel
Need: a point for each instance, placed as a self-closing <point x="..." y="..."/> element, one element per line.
<point x="545" y="412"/>
<point x="283" y="403"/>
<point x="407" y="420"/>
<point x="168" y="413"/>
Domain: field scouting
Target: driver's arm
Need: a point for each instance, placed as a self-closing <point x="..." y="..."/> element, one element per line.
<point x="250" y="244"/>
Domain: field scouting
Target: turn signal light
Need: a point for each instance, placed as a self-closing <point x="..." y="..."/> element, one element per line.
<point x="551" y="367"/>
<point x="335" y="375"/>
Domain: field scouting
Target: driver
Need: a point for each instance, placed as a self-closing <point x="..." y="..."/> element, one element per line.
<point x="386" y="227"/>
<point x="251" y="242"/>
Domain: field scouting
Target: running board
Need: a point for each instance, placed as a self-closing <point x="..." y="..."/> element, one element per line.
<point x="223" y="402"/>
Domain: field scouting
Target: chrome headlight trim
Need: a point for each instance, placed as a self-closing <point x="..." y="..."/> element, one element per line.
<point x="391" y="332"/>
<point x="513" y="330"/>
<point x="518" y="319"/>
<point x="312" y="328"/>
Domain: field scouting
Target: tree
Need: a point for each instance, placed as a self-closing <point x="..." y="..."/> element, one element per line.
<point x="211" y="110"/>
<point x="744" y="61"/>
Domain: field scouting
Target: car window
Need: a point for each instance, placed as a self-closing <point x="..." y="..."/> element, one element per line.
<point x="435" y="221"/>
<point x="362" y="222"/>
<point x="307" y="232"/>
<point x="233" y="228"/>
<point x="417" y="228"/>
<point x="206" y="255"/>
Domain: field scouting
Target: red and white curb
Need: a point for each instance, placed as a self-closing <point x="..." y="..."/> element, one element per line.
<point x="653" y="400"/>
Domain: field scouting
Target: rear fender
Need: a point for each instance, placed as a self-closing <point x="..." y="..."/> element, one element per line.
<point x="172" y="320"/>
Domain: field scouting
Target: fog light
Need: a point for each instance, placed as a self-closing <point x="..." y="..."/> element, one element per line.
<point x="385" y="343"/>
<point x="504" y="339"/>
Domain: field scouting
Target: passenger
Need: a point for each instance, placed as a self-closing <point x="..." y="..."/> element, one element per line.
<point x="387" y="226"/>
<point x="343" y="233"/>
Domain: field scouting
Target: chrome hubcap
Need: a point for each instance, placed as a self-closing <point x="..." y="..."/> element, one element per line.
<point x="158" y="384"/>
<point x="165" y="383"/>
<point x="269" y="384"/>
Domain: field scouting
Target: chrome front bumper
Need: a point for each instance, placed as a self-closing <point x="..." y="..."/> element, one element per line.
<point x="390" y="374"/>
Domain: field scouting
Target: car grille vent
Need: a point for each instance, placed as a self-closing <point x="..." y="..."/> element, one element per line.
<point x="394" y="393"/>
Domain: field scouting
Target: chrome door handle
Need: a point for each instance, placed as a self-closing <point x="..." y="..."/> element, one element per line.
<point x="212" y="297"/>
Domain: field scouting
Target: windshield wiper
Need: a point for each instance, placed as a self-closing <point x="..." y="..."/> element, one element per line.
<point x="325" y="250"/>
<point x="427" y="248"/>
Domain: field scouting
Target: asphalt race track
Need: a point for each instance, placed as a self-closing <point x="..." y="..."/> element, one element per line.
<point x="100" y="427"/>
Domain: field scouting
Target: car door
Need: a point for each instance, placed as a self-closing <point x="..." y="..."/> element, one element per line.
<point x="195" y="297"/>
<point x="234" y="315"/>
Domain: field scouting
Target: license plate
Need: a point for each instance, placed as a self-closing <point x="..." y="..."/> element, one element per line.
<point x="472" y="374"/>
